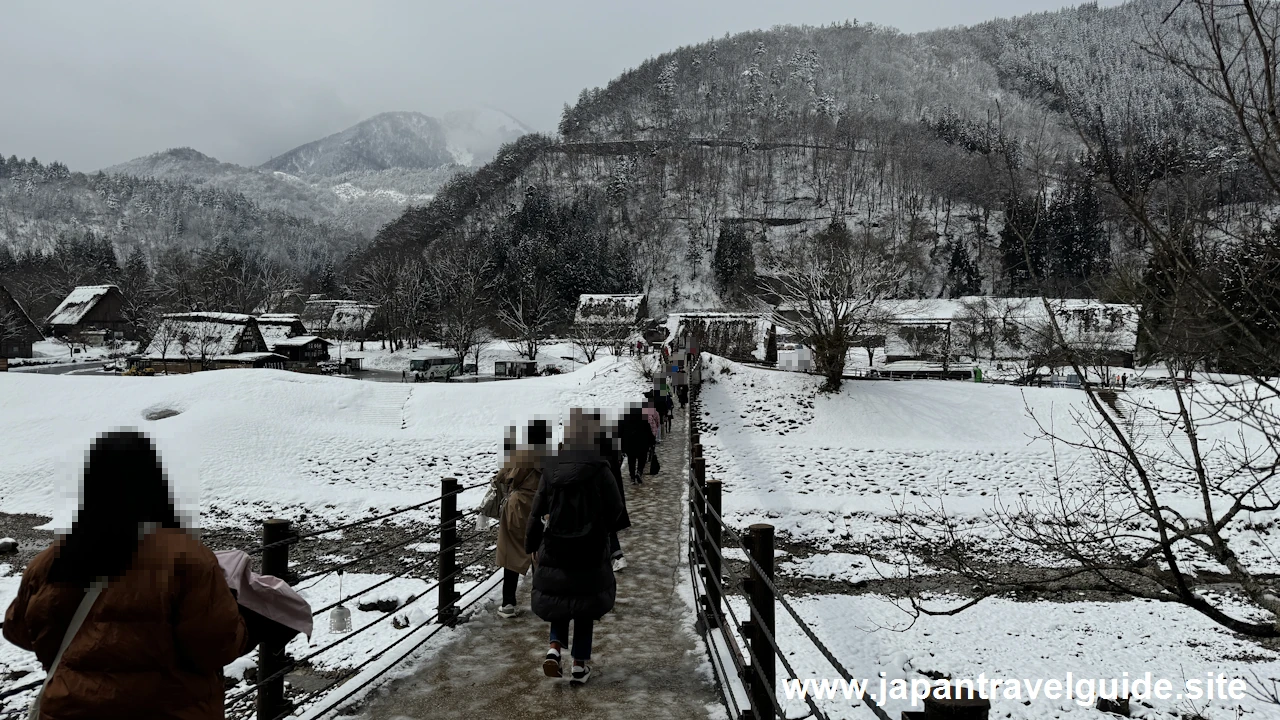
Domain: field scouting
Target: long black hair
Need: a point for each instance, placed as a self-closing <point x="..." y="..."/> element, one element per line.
<point x="124" y="487"/>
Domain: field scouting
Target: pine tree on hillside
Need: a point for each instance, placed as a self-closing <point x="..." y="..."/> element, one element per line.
<point x="733" y="264"/>
<point x="963" y="277"/>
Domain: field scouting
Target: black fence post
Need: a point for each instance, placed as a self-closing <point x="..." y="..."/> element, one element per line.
<point x="711" y="545"/>
<point x="446" y="598"/>
<point x="763" y="676"/>
<point x="271" y="658"/>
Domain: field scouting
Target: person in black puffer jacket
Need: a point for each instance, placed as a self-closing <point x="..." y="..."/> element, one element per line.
<point x="573" y="577"/>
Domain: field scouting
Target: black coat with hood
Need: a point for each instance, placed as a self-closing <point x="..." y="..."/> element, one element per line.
<point x="575" y="580"/>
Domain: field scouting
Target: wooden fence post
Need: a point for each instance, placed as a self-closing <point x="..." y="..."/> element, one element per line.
<point x="271" y="657"/>
<point x="711" y="545"/>
<point x="446" y="598"/>
<point x="763" y="674"/>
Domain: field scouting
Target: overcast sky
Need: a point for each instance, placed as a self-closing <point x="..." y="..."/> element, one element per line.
<point x="93" y="84"/>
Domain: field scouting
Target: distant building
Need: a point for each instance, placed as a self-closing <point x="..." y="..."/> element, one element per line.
<point x="628" y="310"/>
<point x="17" y="331"/>
<point x="91" y="314"/>
<point x="513" y="365"/>
<point x="280" y="326"/>
<point x="339" y="319"/>
<point x="195" y="341"/>
<point x="734" y="335"/>
<point x="302" y="351"/>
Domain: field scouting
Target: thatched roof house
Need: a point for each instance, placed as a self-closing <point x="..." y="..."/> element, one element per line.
<point x="189" y="342"/>
<point x="734" y="335"/>
<point x="611" y="309"/>
<point x="17" y="331"/>
<point x="350" y="319"/>
<point x="90" y="313"/>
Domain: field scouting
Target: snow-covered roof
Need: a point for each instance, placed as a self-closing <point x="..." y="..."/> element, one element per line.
<point x="277" y="328"/>
<point x="221" y="317"/>
<point x="297" y="341"/>
<point x="7" y="299"/>
<point x="249" y="357"/>
<point x="337" y="315"/>
<point x="431" y="352"/>
<point x="735" y="335"/>
<point x="197" y="335"/>
<point x="279" y="317"/>
<point x="78" y="303"/>
<point x="593" y="308"/>
<point x="509" y="357"/>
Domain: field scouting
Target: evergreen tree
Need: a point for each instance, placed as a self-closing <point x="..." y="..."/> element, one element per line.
<point x="733" y="264"/>
<point x="963" y="277"/>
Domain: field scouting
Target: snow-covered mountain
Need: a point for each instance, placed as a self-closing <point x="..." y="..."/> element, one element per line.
<point x="358" y="179"/>
<point x="389" y="140"/>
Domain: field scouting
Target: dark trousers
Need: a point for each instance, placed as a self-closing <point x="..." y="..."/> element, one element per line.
<point x="635" y="464"/>
<point x="615" y="547"/>
<point x="510" y="579"/>
<point x="581" y="636"/>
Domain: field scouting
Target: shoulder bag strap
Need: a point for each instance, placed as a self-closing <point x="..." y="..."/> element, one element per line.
<point x="90" y="597"/>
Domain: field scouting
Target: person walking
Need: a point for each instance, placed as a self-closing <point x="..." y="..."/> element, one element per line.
<point x="611" y="449"/>
<point x="519" y="479"/>
<point x="638" y="439"/>
<point x="573" y="580"/>
<point x="129" y="614"/>
<point x="651" y="415"/>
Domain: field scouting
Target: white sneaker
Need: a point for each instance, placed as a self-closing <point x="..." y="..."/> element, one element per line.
<point x="619" y="564"/>
<point x="581" y="674"/>
<point x="508" y="611"/>
<point x="551" y="666"/>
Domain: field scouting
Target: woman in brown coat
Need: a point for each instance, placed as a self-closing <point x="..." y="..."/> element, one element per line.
<point x="519" y="479"/>
<point x="154" y="643"/>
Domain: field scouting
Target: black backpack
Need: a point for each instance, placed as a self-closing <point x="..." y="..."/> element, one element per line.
<point x="573" y="510"/>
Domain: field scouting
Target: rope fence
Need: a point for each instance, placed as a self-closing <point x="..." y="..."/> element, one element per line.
<point x="278" y="536"/>
<point x="754" y="660"/>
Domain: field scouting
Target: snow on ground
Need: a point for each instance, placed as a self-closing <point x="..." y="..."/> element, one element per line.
<point x="829" y="469"/>
<point x="563" y="355"/>
<point x="253" y="442"/>
<point x="869" y="634"/>
<point x="249" y="444"/>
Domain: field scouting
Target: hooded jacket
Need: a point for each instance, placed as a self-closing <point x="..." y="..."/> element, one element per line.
<point x="575" y="580"/>
<point x="152" y="646"/>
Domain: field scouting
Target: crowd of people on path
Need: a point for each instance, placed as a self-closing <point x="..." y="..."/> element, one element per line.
<point x="560" y="513"/>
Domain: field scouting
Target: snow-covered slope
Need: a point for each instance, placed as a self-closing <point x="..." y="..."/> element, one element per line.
<point x="391" y="139"/>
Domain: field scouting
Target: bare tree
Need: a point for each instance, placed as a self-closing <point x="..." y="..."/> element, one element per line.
<point x="830" y="288"/>
<point x="462" y="282"/>
<point x="529" y="312"/>
<point x="590" y="338"/>
<point x="1122" y="533"/>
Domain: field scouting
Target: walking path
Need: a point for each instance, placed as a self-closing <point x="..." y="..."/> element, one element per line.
<point x="646" y="659"/>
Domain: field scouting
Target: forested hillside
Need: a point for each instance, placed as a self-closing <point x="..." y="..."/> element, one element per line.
<point x="696" y="166"/>
<point x="59" y="229"/>
<point x="357" y="201"/>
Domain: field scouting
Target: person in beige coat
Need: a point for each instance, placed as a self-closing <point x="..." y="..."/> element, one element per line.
<point x="518" y="479"/>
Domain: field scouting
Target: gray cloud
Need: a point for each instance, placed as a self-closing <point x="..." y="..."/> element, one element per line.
<point x="93" y="84"/>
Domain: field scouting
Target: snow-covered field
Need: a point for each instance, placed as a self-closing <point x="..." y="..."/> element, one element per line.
<point x="829" y="469"/>
<point x="562" y="355"/>
<point x="243" y="445"/>
<point x="830" y="472"/>
<point x="1001" y="639"/>
<point x="246" y="443"/>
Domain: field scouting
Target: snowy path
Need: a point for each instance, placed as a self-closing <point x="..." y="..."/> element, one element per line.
<point x="647" y="661"/>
